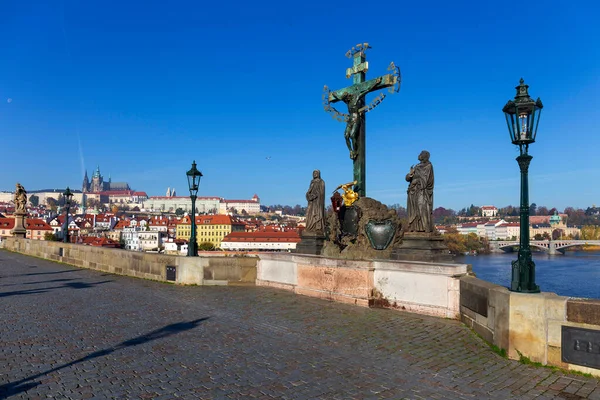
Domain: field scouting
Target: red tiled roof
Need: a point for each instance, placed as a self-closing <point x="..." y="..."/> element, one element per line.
<point x="287" y="236"/>
<point x="100" y="242"/>
<point x="7" y="223"/>
<point x="37" y="224"/>
<point x="121" y="224"/>
<point x="140" y="194"/>
<point x="164" y="221"/>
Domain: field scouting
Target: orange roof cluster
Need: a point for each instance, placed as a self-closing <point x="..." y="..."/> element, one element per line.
<point x="159" y="221"/>
<point x="99" y="242"/>
<point x="273" y="236"/>
<point x="30" y="224"/>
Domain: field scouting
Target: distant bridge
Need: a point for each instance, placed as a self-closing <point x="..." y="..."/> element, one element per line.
<point x="550" y="246"/>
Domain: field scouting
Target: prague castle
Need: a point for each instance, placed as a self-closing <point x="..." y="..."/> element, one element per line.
<point x="97" y="184"/>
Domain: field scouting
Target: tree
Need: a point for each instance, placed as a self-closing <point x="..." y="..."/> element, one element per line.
<point x="52" y="203"/>
<point x="557" y="234"/>
<point x="538" y="236"/>
<point x="542" y="210"/>
<point x="91" y="203"/>
<point x="400" y="211"/>
<point x="179" y="212"/>
<point x="473" y="211"/>
<point x="299" y="210"/>
<point x="206" y="246"/>
<point x="34" y="200"/>
<point x="444" y="216"/>
<point x="533" y="209"/>
<point x="546" y="236"/>
<point x="455" y="242"/>
<point x="50" y="236"/>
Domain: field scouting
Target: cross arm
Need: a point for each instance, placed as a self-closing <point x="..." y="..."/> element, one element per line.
<point x="364" y="87"/>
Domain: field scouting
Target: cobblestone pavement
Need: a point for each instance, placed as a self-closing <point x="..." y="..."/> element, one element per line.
<point x="70" y="333"/>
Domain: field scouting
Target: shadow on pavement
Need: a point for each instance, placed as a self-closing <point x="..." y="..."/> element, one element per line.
<point x="37" y="282"/>
<point x="47" y="273"/>
<point x="69" y="285"/>
<point x="23" y="385"/>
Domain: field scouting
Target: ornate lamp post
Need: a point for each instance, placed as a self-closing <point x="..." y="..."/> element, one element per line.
<point x="68" y="195"/>
<point x="193" y="176"/>
<point x="523" y="117"/>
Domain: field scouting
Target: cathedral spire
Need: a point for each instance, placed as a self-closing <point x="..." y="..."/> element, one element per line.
<point x="85" y="187"/>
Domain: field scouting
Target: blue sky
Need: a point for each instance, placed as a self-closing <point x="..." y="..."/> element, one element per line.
<point x="142" y="88"/>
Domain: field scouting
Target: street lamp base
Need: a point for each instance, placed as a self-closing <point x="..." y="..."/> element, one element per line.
<point x="523" y="274"/>
<point x="526" y="290"/>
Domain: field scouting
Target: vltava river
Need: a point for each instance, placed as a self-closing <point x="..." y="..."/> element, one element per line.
<point x="575" y="274"/>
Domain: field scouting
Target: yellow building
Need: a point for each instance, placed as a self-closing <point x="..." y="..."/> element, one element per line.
<point x="209" y="228"/>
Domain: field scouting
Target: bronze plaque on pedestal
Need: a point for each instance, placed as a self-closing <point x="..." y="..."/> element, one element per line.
<point x="580" y="346"/>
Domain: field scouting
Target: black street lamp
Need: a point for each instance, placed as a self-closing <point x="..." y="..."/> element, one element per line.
<point x="68" y="195"/>
<point x="523" y="117"/>
<point x="193" y="176"/>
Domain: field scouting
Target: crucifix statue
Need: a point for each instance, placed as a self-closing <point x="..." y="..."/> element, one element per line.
<point x="354" y="97"/>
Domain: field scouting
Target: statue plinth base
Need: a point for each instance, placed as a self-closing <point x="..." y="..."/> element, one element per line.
<point x="366" y="230"/>
<point x="310" y="243"/>
<point x="422" y="246"/>
<point x="19" y="229"/>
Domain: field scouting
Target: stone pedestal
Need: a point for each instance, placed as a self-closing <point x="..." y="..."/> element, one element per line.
<point x="310" y="243"/>
<point x="19" y="229"/>
<point x="421" y="246"/>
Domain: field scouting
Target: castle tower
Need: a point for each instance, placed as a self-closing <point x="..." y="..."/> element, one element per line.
<point x="97" y="181"/>
<point x="85" y="187"/>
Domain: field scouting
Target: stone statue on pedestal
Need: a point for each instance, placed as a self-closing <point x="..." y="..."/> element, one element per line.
<point x="313" y="236"/>
<point x="420" y="195"/>
<point x="421" y="241"/>
<point x="20" y="211"/>
<point x="315" y="212"/>
<point x="20" y="198"/>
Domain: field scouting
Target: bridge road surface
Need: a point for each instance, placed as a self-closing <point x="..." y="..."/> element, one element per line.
<point x="70" y="333"/>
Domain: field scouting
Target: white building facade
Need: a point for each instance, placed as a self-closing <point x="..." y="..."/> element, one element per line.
<point x="489" y="211"/>
<point x="251" y="206"/>
<point x="205" y="205"/>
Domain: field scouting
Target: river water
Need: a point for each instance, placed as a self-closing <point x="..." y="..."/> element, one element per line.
<point x="575" y="274"/>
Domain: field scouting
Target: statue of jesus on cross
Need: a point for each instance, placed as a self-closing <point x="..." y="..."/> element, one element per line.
<point x="354" y="118"/>
<point x="354" y="97"/>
